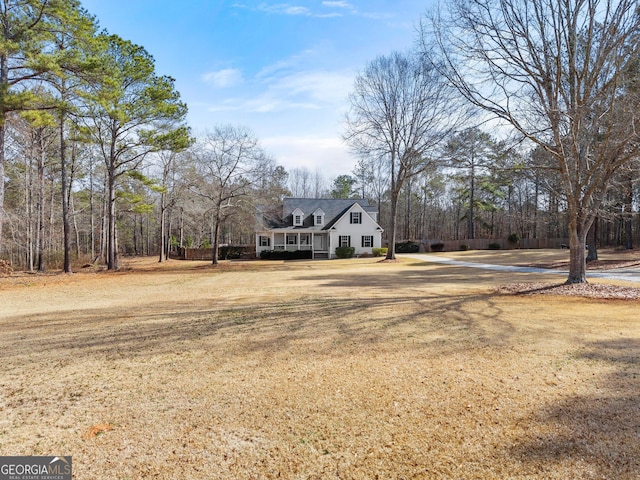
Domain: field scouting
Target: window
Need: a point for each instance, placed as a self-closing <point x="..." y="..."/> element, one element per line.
<point x="356" y="217"/>
<point x="344" y="241"/>
<point x="304" y="239"/>
<point x="292" y="239"/>
<point x="367" y="241"/>
<point x="297" y="220"/>
<point x="265" y="241"/>
<point x="318" y="219"/>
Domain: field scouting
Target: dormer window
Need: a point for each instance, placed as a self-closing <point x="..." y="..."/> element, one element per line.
<point x="318" y="217"/>
<point x="298" y="217"/>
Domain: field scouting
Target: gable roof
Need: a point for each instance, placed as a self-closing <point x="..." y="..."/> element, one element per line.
<point x="332" y="207"/>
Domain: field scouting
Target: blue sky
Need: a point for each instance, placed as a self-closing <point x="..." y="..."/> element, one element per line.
<point x="282" y="69"/>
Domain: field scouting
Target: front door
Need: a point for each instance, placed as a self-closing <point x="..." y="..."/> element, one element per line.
<point x="320" y="242"/>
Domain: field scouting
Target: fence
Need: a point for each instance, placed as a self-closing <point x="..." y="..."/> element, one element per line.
<point x="483" y="243"/>
<point x="224" y="251"/>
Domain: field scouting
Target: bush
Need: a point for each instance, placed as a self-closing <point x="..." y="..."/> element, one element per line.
<point x="494" y="246"/>
<point x="285" y="255"/>
<point x="464" y="247"/>
<point x="513" y="238"/>
<point x="233" y="252"/>
<point x="407" y="247"/>
<point x="380" y="252"/>
<point x="345" y="252"/>
<point x="437" y="247"/>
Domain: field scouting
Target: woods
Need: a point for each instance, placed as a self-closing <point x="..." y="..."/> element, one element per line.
<point x="537" y="142"/>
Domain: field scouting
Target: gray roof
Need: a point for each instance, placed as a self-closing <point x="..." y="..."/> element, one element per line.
<point x="333" y="209"/>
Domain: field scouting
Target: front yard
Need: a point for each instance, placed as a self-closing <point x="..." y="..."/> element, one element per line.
<point x="330" y="369"/>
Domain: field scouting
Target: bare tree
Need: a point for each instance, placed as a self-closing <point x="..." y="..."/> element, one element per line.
<point x="229" y="161"/>
<point x="557" y="72"/>
<point x="401" y="112"/>
<point x="300" y="182"/>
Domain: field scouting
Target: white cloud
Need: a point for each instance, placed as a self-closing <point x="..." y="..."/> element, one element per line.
<point x="306" y="90"/>
<point x="286" y="64"/>
<point x="324" y="88"/>
<point x="223" y="78"/>
<point x="329" y="155"/>
<point x="287" y="9"/>
<point x="338" y="5"/>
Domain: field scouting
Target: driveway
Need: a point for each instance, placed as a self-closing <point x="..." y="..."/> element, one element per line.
<point x="628" y="274"/>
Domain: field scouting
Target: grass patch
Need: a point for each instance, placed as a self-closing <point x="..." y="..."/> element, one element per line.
<point x="331" y="369"/>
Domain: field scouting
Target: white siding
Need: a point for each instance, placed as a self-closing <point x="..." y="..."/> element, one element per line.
<point x="356" y="231"/>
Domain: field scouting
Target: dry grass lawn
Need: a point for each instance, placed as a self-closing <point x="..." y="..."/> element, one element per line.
<point x="317" y="370"/>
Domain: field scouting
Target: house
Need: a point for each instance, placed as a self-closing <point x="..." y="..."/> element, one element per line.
<point x="320" y="225"/>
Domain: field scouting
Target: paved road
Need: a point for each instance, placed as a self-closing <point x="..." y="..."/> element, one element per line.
<point x="628" y="274"/>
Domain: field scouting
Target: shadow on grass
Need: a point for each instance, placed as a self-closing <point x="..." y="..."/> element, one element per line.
<point x="599" y="433"/>
<point x="323" y="325"/>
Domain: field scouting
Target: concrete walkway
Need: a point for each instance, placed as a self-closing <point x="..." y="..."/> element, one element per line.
<point x="629" y="274"/>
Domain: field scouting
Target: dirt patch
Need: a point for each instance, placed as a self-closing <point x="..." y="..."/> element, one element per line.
<point x="588" y="290"/>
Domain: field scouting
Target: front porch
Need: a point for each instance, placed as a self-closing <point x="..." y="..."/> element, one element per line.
<point x="317" y="243"/>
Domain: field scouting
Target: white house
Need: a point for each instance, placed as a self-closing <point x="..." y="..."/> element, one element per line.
<point x="320" y="225"/>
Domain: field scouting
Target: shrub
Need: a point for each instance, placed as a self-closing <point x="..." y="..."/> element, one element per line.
<point x="345" y="252"/>
<point x="285" y="255"/>
<point x="407" y="247"/>
<point x="437" y="247"/>
<point x="380" y="252"/>
<point x="464" y="247"/>
<point x="494" y="246"/>
<point x="233" y="252"/>
<point x="513" y="238"/>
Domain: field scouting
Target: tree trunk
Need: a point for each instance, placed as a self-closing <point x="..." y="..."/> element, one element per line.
<point x="4" y="87"/>
<point x="592" y="255"/>
<point x="2" y="134"/>
<point x="66" y="190"/>
<point x="162" y="227"/>
<point x="628" y="217"/>
<point x="391" y="251"/>
<point x="112" y="256"/>
<point x="28" y="204"/>
<point x="577" y="254"/>
<point x="40" y="209"/>
<point x="470" y="232"/>
<point x="76" y="231"/>
<point x="216" y="230"/>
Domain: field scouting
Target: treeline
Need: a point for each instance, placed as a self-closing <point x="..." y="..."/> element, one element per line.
<point x="81" y="111"/>
<point x="96" y="160"/>
<point x="482" y="188"/>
